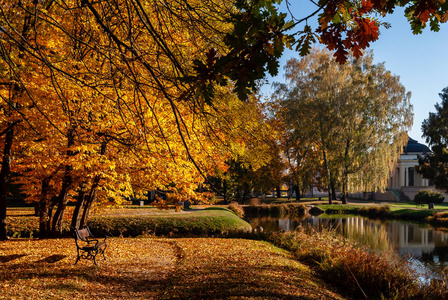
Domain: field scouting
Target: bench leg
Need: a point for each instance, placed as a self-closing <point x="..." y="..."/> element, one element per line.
<point x="102" y="252"/>
<point x="77" y="258"/>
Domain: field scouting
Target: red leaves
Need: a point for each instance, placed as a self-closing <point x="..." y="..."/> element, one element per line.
<point x="343" y="38"/>
<point x="367" y="31"/>
<point x="366" y="7"/>
<point x="424" y="10"/>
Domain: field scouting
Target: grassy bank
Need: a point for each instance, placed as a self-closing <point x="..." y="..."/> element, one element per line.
<point x="135" y="222"/>
<point x="276" y="210"/>
<point x="391" y="211"/>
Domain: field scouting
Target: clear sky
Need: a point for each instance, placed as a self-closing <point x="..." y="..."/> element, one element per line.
<point x="421" y="62"/>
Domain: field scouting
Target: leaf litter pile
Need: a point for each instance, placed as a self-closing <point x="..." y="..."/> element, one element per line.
<point x="156" y="268"/>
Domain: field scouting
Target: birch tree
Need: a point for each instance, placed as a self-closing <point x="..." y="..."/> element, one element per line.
<point x="356" y="114"/>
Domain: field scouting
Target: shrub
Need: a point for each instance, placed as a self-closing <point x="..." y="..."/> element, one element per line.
<point x="439" y="219"/>
<point x="382" y="211"/>
<point x="237" y="209"/>
<point x="254" y="201"/>
<point x="428" y="196"/>
<point x="277" y="210"/>
<point x="340" y="261"/>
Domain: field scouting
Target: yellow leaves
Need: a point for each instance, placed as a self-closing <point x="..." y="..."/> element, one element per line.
<point x="77" y="79"/>
<point x="41" y="269"/>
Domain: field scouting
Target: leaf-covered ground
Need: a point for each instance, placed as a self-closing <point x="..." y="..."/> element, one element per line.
<point x="156" y="268"/>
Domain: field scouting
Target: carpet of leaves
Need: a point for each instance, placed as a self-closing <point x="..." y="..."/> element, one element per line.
<point x="213" y="268"/>
<point x="44" y="269"/>
<point x="156" y="268"/>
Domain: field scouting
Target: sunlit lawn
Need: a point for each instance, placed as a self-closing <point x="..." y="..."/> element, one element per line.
<point x="134" y="220"/>
<point x="400" y="205"/>
<point x="156" y="268"/>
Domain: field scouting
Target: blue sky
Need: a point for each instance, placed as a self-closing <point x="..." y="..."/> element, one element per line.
<point x="421" y="62"/>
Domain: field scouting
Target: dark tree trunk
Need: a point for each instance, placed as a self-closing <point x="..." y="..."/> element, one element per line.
<point x="66" y="186"/>
<point x="36" y="209"/>
<point x="330" y="200"/>
<point x="297" y="190"/>
<point x="346" y="171"/>
<point x="225" y="192"/>
<point x="60" y="211"/>
<point x="92" y="194"/>
<point x="4" y="180"/>
<point x="44" y="210"/>
<point x="76" y="218"/>
<point x="279" y="192"/>
<point x="89" y="201"/>
<point x="333" y="190"/>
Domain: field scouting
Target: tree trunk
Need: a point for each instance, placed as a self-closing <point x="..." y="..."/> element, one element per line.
<point x="344" y="188"/>
<point x="44" y="210"/>
<point x="324" y="152"/>
<point x="297" y="190"/>
<point x="92" y="194"/>
<point x="60" y="211"/>
<point x="333" y="189"/>
<point x="63" y="195"/>
<point x="4" y="180"/>
<point x="76" y="218"/>
<point x="88" y="202"/>
<point x="225" y="192"/>
<point x="345" y="174"/>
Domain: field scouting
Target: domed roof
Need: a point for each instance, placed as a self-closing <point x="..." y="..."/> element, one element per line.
<point x="415" y="147"/>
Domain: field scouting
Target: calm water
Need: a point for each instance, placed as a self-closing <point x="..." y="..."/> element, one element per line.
<point x="424" y="247"/>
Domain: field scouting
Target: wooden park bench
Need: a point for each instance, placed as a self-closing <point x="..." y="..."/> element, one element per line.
<point x="88" y="246"/>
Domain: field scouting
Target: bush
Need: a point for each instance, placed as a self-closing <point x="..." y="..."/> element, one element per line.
<point x="277" y="210"/>
<point x="428" y="196"/>
<point x="237" y="209"/>
<point x="365" y="273"/>
<point x="382" y="211"/>
<point x="254" y="201"/>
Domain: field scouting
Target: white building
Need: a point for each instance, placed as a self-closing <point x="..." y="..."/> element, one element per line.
<point x="405" y="182"/>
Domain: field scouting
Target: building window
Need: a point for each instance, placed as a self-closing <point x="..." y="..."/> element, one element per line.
<point x="411" y="177"/>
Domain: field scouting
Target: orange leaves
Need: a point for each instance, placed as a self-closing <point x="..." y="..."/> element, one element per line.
<point x="424" y="10"/>
<point x="366" y="32"/>
<point x="351" y="28"/>
<point x="43" y="269"/>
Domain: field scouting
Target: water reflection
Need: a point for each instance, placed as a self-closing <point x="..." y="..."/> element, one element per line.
<point x="425" y="247"/>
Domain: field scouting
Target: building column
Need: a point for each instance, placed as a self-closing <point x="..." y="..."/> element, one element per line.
<point x="402" y="176"/>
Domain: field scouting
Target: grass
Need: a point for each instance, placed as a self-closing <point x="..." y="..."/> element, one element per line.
<point x="316" y="266"/>
<point x="391" y="211"/>
<point x="157" y="268"/>
<point x="135" y="222"/>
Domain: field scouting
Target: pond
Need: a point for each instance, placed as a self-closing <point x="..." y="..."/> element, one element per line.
<point x="424" y="247"/>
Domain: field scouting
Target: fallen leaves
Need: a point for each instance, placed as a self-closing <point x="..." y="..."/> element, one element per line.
<point x="155" y="268"/>
<point x="236" y="268"/>
<point x="42" y="269"/>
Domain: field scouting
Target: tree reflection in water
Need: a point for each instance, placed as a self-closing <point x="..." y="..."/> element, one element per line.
<point x="425" y="247"/>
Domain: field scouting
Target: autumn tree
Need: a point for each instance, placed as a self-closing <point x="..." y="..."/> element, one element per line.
<point x="255" y="162"/>
<point x="434" y="165"/>
<point x="158" y="66"/>
<point x="356" y="115"/>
